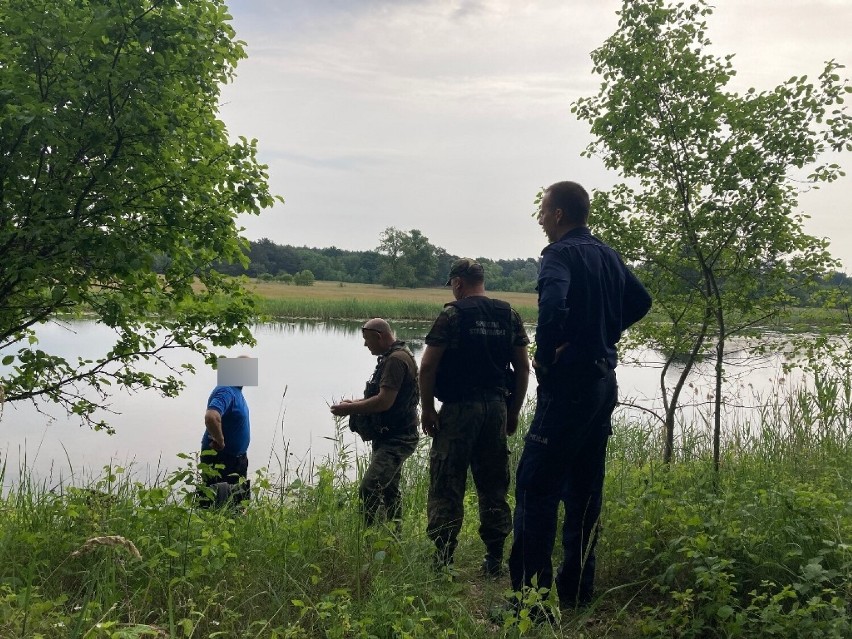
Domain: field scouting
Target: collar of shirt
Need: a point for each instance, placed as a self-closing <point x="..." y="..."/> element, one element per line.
<point x="580" y="231"/>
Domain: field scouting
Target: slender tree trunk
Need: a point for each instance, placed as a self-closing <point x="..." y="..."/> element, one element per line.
<point x="671" y="404"/>
<point x="717" y="401"/>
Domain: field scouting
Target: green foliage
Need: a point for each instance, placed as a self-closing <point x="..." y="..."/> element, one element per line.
<point x="114" y="163"/>
<point x="519" y="275"/>
<point x="407" y="259"/>
<point x="718" y="568"/>
<point x="711" y="213"/>
<point x="303" y="278"/>
<point x="759" y="550"/>
<point x="333" y="264"/>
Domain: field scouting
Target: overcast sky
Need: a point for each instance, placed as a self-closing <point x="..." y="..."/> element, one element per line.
<point x="448" y="115"/>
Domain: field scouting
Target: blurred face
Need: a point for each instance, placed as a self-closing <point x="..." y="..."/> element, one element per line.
<point x="373" y="340"/>
<point x="548" y="218"/>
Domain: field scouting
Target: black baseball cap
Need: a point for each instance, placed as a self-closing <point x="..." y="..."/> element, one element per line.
<point x="466" y="268"/>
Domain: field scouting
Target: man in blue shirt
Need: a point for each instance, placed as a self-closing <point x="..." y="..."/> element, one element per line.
<point x="227" y="434"/>
<point x="586" y="298"/>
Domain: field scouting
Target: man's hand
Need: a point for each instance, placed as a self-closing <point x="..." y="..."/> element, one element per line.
<point x="217" y="444"/>
<point x="541" y="370"/>
<point x="429" y="421"/>
<point x="511" y="424"/>
<point x="342" y="409"/>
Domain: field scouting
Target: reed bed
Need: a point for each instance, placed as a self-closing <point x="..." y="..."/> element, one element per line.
<point x="761" y="549"/>
<point x="344" y="300"/>
<point x="337" y="300"/>
<point x="355" y="309"/>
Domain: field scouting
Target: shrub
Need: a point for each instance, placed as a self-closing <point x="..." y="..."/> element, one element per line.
<point x="304" y="278"/>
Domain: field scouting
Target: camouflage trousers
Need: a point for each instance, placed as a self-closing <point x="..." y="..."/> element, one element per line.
<point x="380" y="484"/>
<point x="472" y="434"/>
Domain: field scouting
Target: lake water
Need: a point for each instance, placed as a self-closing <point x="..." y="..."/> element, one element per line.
<point x="303" y="367"/>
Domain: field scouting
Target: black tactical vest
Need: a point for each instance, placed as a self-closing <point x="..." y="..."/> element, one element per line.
<point x="483" y="353"/>
<point x="403" y="413"/>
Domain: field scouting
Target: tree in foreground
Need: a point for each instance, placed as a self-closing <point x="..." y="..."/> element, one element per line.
<point x="710" y="206"/>
<point x="112" y="157"/>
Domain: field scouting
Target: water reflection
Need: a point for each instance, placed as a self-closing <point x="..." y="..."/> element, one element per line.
<point x="411" y="331"/>
<point x="304" y="366"/>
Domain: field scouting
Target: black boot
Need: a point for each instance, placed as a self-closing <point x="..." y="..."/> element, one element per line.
<point x="443" y="557"/>
<point x="492" y="566"/>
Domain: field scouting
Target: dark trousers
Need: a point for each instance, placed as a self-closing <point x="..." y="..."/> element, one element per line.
<point x="222" y="472"/>
<point x="380" y="484"/>
<point x="235" y="467"/>
<point x="563" y="461"/>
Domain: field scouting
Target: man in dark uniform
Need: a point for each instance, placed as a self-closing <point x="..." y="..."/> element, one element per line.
<point x="391" y="397"/>
<point x="586" y="298"/>
<point x="465" y="365"/>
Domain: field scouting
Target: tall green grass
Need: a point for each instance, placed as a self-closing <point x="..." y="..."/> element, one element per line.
<point x="349" y="308"/>
<point x="760" y="550"/>
<point x="359" y="309"/>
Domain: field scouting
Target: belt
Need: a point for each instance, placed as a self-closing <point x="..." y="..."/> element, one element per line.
<point x="474" y="394"/>
<point x="589" y="370"/>
<point x="602" y="361"/>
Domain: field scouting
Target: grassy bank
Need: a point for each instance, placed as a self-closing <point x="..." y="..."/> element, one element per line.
<point x="761" y="550"/>
<point x="337" y="300"/>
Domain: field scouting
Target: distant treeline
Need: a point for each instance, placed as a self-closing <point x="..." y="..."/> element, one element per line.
<point x="407" y="259"/>
<point x="834" y="290"/>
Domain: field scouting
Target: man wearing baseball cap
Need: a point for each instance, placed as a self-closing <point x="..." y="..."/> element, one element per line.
<point x="471" y="349"/>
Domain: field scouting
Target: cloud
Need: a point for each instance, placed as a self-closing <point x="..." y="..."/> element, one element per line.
<point x="332" y="162"/>
<point x="448" y="115"/>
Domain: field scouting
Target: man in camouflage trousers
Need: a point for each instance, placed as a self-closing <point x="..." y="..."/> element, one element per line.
<point x="466" y="366"/>
<point x="391" y="398"/>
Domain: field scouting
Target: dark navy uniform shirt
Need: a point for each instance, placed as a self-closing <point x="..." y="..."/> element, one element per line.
<point x="586" y="298"/>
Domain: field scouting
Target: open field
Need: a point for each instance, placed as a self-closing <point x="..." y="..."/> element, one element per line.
<point x="326" y="300"/>
<point x="344" y="290"/>
<point x="340" y="300"/>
